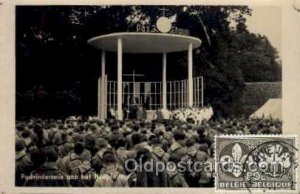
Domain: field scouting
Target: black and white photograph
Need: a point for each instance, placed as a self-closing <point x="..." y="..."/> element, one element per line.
<point x="134" y="95"/>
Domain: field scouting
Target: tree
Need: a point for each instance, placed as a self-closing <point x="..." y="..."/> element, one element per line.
<point x="52" y="50"/>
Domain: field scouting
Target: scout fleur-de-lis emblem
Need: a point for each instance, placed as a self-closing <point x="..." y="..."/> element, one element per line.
<point x="234" y="163"/>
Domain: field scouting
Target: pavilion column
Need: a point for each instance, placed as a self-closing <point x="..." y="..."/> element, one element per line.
<point x="190" y="75"/>
<point x="102" y="111"/>
<point x="164" y="81"/>
<point x="103" y="63"/>
<point x="119" y="81"/>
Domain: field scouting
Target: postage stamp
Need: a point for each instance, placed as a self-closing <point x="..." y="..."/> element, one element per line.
<point x="260" y="162"/>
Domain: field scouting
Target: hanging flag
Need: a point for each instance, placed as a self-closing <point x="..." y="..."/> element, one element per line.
<point x="173" y="18"/>
<point x="147" y="88"/>
<point x="136" y="89"/>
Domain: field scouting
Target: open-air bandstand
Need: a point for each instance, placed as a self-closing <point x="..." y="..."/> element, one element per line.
<point x="162" y="94"/>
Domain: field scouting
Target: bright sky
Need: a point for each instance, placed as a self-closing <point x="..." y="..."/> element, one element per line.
<point x="267" y="21"/>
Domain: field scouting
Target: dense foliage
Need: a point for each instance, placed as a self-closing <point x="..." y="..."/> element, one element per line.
<point x="57" y="70"/>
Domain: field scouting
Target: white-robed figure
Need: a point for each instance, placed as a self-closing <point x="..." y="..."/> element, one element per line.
<point x="206" y="114"/>
<point x="211" y="112"/>
<point x="197" y="114"/>
<point x="179" y="115"/>
<point x="162" y="114"/>
<point x="112" y="113"/>
<point x="199" y="117"/>
<point x="166" y="114"/>
<point x="190" y="113"/>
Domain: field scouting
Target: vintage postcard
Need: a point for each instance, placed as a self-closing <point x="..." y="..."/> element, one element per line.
<point x="100" y="96"/>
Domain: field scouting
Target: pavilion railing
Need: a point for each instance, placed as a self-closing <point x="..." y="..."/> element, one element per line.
<point x="149" y="94"/>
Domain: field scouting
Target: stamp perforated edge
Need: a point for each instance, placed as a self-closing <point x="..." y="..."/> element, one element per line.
<point x="238" y="136"/>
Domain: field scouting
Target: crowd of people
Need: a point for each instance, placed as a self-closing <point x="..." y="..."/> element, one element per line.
<point x="88" y="152"/>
